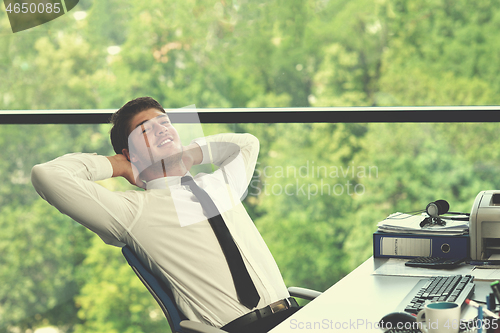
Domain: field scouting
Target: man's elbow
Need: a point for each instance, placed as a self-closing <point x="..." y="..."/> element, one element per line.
<point x="36" y="173"/>
<point x="40" y="178"/>
<point x="252" y="139"/>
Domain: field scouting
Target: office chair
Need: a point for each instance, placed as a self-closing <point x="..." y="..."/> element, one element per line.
<point x="163" y="295"/>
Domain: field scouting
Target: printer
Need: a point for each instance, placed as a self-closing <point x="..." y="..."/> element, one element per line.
<point x="484" y="226"/>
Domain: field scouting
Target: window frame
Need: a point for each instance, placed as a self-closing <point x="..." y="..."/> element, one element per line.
<point x="271" y="115"/>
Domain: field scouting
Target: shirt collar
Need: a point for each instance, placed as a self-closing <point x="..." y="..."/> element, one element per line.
<point x="164" y="182"/>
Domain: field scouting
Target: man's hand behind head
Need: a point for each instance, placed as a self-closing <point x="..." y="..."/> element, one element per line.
<point x="192" y="155"/>
<point x="123" y="168"/>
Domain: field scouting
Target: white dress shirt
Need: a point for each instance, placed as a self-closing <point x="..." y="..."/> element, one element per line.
<point x="166" y="227"/>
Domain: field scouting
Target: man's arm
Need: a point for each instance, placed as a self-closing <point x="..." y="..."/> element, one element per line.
<point x="234" y="154"/>
<point x="123" y="168"/>
<point x="68" y="183"/>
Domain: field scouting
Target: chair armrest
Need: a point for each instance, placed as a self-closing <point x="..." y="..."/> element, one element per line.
<point x="189" y="326"/>
<point x="303" y="293"/>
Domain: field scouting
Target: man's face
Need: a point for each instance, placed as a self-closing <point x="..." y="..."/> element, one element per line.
<point x="153" y="139"/>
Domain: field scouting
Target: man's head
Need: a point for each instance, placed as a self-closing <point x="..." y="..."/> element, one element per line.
<point x="143" y="132"/>
<point x="122" y="119"/>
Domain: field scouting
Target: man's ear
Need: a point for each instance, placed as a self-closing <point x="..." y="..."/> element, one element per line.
<point x="126" y="154"/>
<point x="131" y="157"/>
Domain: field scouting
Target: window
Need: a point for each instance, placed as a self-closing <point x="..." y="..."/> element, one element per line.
<point x="362" y="109"/>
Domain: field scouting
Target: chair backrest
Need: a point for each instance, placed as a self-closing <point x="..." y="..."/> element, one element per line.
<point x="160" y="290"/>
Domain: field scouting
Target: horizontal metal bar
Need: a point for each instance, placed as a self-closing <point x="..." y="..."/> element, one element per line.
<point x="270" y="115"/>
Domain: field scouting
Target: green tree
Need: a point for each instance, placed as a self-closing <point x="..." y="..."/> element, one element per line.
<point x="350" y="65"/>
<point x="440" y="54"/>
<point x="40" y="247"/>
<point x="305" y="190"/>
<point x="40" y="250"/>
<point x="113" y="299"/>
<point x="415" y="165"/>
<point x="245" y="54"/>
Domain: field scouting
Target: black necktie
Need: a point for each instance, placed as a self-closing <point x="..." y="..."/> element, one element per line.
<point x="247" y="293"/>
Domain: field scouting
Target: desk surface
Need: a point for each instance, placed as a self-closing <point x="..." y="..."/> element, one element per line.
<point x="359" y="301"/>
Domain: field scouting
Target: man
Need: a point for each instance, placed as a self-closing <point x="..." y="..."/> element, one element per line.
<point x="168" y="225"/>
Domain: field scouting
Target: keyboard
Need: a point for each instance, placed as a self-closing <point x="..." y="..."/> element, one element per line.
<point x="434" y="262"/>
<point x="454" y="288"/>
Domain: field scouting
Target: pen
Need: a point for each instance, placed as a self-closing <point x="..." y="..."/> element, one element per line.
<point x="477" y="306"/>
<point x="480" y="319"/>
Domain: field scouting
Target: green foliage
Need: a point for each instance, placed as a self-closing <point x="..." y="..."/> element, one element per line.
<point x="26" y="145"/>
<point x="113" y="299"/>
<point x="473" y="142"/>
<point x="415" y="166"/>
<point x="303" y="183"/>
<point x="350" y="66"/>
<point x="441" y="54"/>
<point x="40" y="250"/>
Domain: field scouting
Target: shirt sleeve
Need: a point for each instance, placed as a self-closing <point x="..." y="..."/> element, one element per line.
<point x="68" y="183"/>
<point x="234" y="154"/>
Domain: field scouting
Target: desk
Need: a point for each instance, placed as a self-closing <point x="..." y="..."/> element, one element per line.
<point x="359" y="301"/>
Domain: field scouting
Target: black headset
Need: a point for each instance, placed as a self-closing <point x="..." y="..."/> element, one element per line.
<point x="438" y="207"/>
